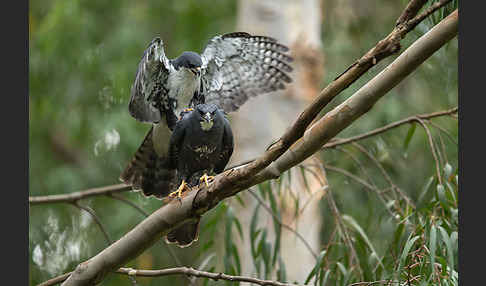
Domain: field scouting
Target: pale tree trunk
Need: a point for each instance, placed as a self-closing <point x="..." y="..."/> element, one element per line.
<point x="296" y="23"/>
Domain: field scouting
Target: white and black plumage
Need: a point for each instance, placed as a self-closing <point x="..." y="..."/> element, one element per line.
<point x="201" y="145"/>
<point x="232" y="68"/>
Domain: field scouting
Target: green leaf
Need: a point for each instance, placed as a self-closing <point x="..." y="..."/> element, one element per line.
<point x="403" y="258"/>
<point x="326" y="276"/>
<point x="448" y="170"/>
<point x="317" y="266"/>
<point x="432" y="246"/>
<point x="397" y="236"/>
<point x="234" y="252"/>
<point x="206" y="261"/>
<point x="304" y="177"/>
<point x="281" y="272"/>
<point x="423" y="198"/>
<point x="441" y="196"/>
<point x="353" y="224"/>
<point x="240" y="200"/>
<point x="238" y="227"/>
<point x="447" y="241"/>
<point x="254" y="232"/>
<point x="408" y="138"/>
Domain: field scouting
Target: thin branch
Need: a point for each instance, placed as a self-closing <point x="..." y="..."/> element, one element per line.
<point x="443" y="130"/>
<point x="373" y="283"/>
<point x="342" y="227"/>
<point x="410" y="11"/>
<point x="55" y="280"/>
<point x="199" y="273"/>
<point x="128" y="202"/>
<point x="387" y="127"/>
<point x="432" y="146"/>
<point x="73" y="197"/>
<point x="269" y="210"/>
<point x="442" y="145"/>
<point x="362" y="182"/>
<point x="92" y="213"/>
<point x="384" y="172"/>
<point x="358" y="163"/>
<point x="187" y="271"/>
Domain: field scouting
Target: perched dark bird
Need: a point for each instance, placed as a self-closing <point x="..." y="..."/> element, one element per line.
<point x="232" y="68"/>
<point x="201" y="145"/>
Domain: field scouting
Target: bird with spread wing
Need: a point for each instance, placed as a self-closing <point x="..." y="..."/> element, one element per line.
<point x="232" y="68"/>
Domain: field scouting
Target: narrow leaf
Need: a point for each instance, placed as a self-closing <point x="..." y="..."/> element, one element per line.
<point x="408" y="138"/>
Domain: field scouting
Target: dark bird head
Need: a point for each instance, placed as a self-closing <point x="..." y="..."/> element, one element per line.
<point x="206" y="114"/>
<point x="189" y="60"/>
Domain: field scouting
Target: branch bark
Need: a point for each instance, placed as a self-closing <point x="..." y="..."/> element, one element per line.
<point x="233" y="181"/>
<point x="73" y="197"/>
<point x="188" y="271"/>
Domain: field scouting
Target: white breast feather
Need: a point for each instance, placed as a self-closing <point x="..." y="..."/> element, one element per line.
<point x="182" y="85"/>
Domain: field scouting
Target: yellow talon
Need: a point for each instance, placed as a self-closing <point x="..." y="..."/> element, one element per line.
<point x="178" y="193"/>
<point x="206" y="178"/>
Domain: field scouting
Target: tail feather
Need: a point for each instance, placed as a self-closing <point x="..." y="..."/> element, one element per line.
<point x="184" y="235"/>
<point x="149" y="172"/>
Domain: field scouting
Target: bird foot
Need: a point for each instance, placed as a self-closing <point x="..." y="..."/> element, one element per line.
<point x="178" y="194"/>
<point x="206" y="178"/>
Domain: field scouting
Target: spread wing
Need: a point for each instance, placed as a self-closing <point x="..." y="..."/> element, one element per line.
<point x="238" y="65"/>
<point x="149" y="93"/>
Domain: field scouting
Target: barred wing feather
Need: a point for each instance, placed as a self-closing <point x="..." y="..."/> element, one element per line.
<point x="238" y="66"/>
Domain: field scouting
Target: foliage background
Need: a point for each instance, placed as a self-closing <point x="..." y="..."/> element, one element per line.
<point x="83" y="57"/>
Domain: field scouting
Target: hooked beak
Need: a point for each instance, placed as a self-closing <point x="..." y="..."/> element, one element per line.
<point x="196" y="71"/>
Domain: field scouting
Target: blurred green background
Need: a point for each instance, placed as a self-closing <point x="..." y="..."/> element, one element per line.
<point x="83" y="57"/>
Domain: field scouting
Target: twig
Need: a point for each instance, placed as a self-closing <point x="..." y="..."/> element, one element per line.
<point x="362" y="182"/>
<point x="432" y="146"/>
<point x="411" y="10"/>
<point x="384" y="172"/>
<point x="442" y="145"/>
<point x="443" y="130"/>
<point x="342" y="227"/>
<point x="179" y="271"/>
<point x="358" y="163"/>
<point x="385" y="128"/>
<point x="199" y="273"/>
<point x="96" y="219"/>
<point x="128" y="202"/>
<point x="269" y="210"/>
<point x="72" y="197"/>
<point x="373" y="283"/>
<point x="55" y="280"/>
